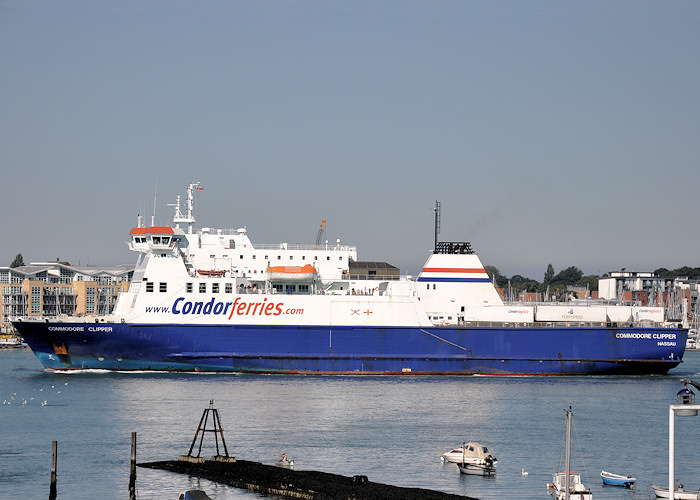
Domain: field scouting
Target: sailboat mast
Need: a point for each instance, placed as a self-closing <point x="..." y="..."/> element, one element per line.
<point x="568" y="453"/>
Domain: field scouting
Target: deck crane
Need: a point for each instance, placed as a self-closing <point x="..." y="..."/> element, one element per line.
<point x="321" y="233"/>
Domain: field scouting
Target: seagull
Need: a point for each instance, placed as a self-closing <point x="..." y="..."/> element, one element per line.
<point x="522" y="472"/>
<point x="44" y="403"/>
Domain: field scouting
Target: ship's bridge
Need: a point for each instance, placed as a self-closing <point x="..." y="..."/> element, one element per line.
<point x="156" y="239"/>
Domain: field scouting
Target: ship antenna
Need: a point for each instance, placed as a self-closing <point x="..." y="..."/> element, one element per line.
<point x="437" y="223"/>
<point x="155" y="196"/>
<point x="187" y="218"/>
<point x="178" y="215"/>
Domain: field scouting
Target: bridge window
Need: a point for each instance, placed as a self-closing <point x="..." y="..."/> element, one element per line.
<point x="202" y="288"/>
<point x="163" y="287"/>
<point x="149" y="286"/>
<point x="188" y="287"/>
<point x="214" y="288"/>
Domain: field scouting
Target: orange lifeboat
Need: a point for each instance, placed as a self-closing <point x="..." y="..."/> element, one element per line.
<point x="210" y="272"/>
<point x="292" y="273"/>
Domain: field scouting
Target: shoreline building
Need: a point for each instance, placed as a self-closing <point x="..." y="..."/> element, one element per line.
<point x="48" y="289"/>
<point x="679" y="296"/>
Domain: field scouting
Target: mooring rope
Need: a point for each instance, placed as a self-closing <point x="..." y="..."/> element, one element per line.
<point x="445" y="340"/>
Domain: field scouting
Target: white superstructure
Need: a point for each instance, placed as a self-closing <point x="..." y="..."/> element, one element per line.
<point x="231" y="251"/>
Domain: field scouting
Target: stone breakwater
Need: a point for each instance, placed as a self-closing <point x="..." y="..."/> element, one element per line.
<point x="312" y="485"/>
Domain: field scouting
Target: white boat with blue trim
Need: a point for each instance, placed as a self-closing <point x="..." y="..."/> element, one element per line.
<point x="612" y="479"/>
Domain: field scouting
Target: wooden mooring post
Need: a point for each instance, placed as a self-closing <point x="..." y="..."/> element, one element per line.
<point x="132" y="470"/>
<point x="54" y="460"/>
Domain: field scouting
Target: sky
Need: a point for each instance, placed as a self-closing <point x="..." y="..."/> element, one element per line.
<point x="551" y="132"/>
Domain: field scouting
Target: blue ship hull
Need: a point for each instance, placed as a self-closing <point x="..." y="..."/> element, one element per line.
<point x="355" y="350"/>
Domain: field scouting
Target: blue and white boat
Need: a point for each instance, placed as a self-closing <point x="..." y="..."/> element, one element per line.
<point x="617" y="480"/>
<point x="193" y="495"/>
<point x="211" y="300"/>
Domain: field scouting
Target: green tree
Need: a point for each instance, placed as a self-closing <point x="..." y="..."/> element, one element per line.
<point x="686" y="272"/>
<point x="569" y="276"/>
<point x="19" y="261"/>
<point x="496" y="276"/>
<point x="591" y="281"/>
<point x="523" y="284"/>
<point x="662" y="272"/>
<point x="548" y="275"/>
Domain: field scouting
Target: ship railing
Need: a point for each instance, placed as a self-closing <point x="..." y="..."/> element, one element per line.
<point x="297" y="246"/>
<point x="557" y="324"/>
<point x="576" y="302"/>
<point x="361" y="277"/>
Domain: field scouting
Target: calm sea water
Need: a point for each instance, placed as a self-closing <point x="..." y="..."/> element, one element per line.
<point x="391" y="429"/>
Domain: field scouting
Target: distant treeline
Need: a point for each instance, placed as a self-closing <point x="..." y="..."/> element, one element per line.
<point x="573" y="277"/>
<point x="692" y="273"/>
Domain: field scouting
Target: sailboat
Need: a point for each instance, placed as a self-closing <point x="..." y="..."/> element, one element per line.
<point x="567" y="485"/>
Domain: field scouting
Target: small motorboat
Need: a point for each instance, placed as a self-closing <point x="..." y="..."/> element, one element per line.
<point x="453" y="456"/>
<point x="617" y="480"/>
<point x="456" y="455"/>
<point x="679" y="492"/>
<point x="284" y="462"/>
<point x="486" y="468"/>
<point x="472" y="458"/>
<point x="193" y="495"/>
